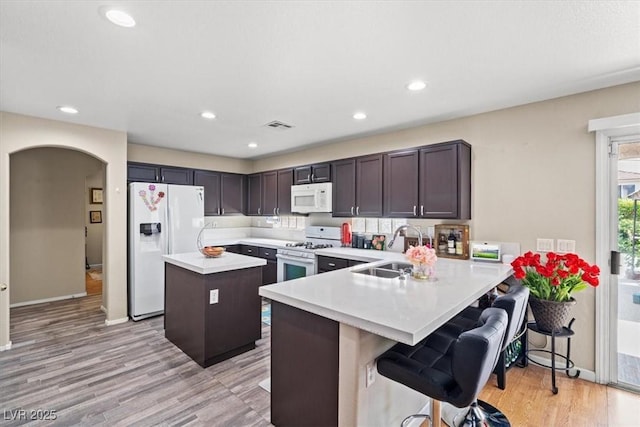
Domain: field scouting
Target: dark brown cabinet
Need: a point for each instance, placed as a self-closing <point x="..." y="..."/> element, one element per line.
<point x="344" y="187"/>
<point x="269" y="193"/>
<point x="141" y="172"/>
<point x="223" y="193"/>
<point x="357" y="186"/>
<point x="270" y="270"/>
<point x="445" y="181"/>
<point x="254" y="194"/>
<point x="326" y="263"/>
<point x="313" y="173"/>
<point x="401" y="184"/>
<point x="285" y="181"/>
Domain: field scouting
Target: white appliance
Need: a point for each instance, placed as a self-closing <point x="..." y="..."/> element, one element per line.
<point x="299" y="259"/>
<point x="163" y="219"/>
<point x="309" y="198"/>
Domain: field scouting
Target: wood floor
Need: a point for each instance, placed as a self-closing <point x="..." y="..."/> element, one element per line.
<point x="93" y="286"/>
<point x="65" y="359"/>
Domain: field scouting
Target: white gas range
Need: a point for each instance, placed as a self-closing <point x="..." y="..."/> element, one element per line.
<point x="298" y="259"/>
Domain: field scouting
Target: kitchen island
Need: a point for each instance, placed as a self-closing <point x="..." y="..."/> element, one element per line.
<point x="212" y="306"/>
<point x="328" y="329"/>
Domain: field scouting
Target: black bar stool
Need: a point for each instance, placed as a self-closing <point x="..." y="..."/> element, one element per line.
<point x="449" y="366"/>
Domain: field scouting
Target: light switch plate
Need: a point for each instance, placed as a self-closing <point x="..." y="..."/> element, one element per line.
<point x="213" y="296"/>
<point x="566" y="246"/>
<point x="544" y="245"/>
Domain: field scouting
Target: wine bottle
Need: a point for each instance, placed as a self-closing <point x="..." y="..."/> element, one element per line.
<point x="451" y="243"/>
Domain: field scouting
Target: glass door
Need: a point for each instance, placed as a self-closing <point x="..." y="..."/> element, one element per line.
<point x="625" y="287"/>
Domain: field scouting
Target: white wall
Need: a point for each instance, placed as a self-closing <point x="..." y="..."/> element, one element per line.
<point x="19" y="133"/>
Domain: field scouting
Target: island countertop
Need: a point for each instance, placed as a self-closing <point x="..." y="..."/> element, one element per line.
<point x="402" y="310"/>
<point x="198" y="263"/>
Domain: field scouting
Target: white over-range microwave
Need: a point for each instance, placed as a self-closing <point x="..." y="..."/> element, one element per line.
<point x="309" y="198"/>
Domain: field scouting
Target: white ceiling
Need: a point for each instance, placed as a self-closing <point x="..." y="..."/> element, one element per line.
<point x="311" y="64"/>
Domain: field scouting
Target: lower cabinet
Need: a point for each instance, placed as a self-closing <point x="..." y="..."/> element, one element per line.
<point x="327" y="263"/>
<point x="269" y="271"/>
<point x="194" y="325"/>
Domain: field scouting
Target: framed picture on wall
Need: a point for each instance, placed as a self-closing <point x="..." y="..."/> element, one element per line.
<point x="96" y="196"/>
<point x="95" y="217"/>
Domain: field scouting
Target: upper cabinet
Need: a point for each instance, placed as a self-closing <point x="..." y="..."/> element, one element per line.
<point x="431" y="182"/>
<point x="285" y="181"/>
<point x="254" y="194"/>
<point x="312" y="173"/>
<point x="275" y="193"/>
<point x="223" y="192"/>
<point x="232" y="194"/>
<point x="140" y="172"/>
<point x="401" y="184"/>
<point x="445" y="181"/>
<point x="357" y="186"/>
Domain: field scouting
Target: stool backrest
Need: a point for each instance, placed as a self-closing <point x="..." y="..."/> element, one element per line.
<point x="514" y="302"/>
<point x="475" y="355"/>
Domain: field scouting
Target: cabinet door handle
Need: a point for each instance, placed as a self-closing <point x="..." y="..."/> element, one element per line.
<point x="258" y="211"/>
<point x="222" y="211"/>
<point x="267" y="253"/>
<point x="308" y="177"/>
<point x="351" y="210"/>
<point x="414" y="210"/>
<point x="312" y="178"/>
<point x="218" y="211"/>
<point x="277" y="211"/>
<point x="421" y="210"/>
<point x="357" y="210"/>
<point x="162" y="178"/>
<point x="156" y="177"/>
<point x="250" y="251"/>
<point x="331" y="264"/>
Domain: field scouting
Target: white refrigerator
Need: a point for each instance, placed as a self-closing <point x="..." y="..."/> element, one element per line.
<point x="163" y="219"/>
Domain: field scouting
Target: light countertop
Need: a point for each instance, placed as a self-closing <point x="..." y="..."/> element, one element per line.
<point x="402" y="310"/>
<point x="198" y="263"/>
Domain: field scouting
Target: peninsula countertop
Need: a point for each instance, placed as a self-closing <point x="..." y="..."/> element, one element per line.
<point x="402" y="310"/>
<point x="198" y="263"/>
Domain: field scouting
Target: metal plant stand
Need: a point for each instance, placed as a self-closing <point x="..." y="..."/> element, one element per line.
<point x="567" y="333"/>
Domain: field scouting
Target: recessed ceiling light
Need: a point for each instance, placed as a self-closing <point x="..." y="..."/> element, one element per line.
<point x="67" y="109"/>
<point x="252" y="145"/>
<point x="360" y="116"/>
<point x="208" y="115"/>
<point x="416" y="85"/>
<point x="120" y="18"/>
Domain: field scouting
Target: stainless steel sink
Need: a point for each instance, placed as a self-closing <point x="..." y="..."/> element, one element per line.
<point x="378" y="272"/>
<point x="395" y="266"/>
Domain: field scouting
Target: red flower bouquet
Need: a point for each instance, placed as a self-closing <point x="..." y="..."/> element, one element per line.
<point x="558" y="278"/>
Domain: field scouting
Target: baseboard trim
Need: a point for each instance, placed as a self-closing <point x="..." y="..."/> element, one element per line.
<point x="116" y="321"/>
<point x="41" y="301"/>
<point x="95" y="265"/>
<point x="5" y="347"/>
<point x="585" y="374"/>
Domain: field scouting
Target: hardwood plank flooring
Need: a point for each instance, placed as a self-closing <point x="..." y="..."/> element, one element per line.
<point x="93" y="286"/>
<point x="65" y="359"/>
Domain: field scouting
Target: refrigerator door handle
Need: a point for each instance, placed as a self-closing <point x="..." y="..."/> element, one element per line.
<point x="167" y="236"/>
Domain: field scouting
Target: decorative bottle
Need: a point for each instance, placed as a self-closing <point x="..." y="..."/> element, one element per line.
<point x="451" y="243"/>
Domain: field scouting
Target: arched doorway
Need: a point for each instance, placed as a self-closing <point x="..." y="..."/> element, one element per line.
<point x="47" y="223"/>
<point x="17" y="133"/>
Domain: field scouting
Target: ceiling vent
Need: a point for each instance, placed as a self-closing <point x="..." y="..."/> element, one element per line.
<point x="276" y="124"/>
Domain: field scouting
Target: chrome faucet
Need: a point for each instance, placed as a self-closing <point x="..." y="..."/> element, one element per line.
<point x="404" y="227"/>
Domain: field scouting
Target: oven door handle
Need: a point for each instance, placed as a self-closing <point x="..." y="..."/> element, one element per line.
<point x="295" y="259"/>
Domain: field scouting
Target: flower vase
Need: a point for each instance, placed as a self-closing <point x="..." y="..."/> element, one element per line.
<point x="551" y="316"/>
<point x="422" y="271"/>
